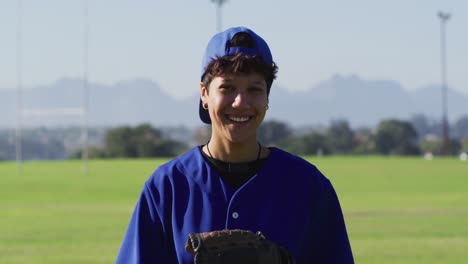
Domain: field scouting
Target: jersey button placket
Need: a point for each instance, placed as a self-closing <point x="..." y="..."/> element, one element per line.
<point x="235" y="215"/>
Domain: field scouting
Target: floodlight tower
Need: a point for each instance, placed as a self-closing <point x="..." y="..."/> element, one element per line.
<point x="445" y="127"/>
<point x="219" y="4"/>
<point x="84" y="130"/>
<point x="19" y="100"/>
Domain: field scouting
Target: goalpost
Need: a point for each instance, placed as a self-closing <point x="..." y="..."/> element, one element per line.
<point x="22" y="112"/>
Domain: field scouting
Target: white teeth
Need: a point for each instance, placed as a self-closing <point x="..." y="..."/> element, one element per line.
<point x="238" y="119"/>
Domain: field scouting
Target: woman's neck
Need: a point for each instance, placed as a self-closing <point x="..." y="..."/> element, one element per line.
<point x="232" y="152"/>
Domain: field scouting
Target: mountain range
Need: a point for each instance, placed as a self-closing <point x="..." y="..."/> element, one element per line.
<point x="361" y="102"/>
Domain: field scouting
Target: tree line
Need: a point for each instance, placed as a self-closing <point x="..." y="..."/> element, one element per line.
<point x="415" y="136"/>
<point x="390" y="137"/>
<point x="141" y="141"/>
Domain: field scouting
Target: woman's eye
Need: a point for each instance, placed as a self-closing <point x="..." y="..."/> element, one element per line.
<point x="256" y="89"/>
<point x="227" y="87"/>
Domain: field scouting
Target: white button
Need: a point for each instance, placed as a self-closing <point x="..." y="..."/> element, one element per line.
<point x="235" y="215"/>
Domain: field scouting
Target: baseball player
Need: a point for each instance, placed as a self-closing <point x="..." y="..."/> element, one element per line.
<point x="233" y="182"/>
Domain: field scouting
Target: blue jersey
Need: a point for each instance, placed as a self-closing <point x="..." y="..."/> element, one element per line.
<point x="289" y="200"/>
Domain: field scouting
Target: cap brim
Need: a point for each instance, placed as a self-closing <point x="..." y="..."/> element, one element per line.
<point x="204" y="115"/>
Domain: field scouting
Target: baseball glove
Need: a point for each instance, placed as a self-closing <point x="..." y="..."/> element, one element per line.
<point x="235" y="247"/>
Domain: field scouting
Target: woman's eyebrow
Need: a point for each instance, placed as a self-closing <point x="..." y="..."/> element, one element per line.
<point x="226" y="80"/>
<point x="258" y="83"/>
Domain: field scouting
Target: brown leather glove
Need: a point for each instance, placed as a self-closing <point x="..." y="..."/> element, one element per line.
<point x="235" y="247"/>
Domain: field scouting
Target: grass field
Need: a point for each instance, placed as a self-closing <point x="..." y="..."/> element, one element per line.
<point x="397" y="210"/>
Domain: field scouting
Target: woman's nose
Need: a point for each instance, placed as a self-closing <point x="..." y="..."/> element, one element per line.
<point x="240" y="101"/>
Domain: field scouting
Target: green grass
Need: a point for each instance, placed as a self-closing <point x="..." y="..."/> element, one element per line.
<point x="397" y="210"/>
<point x="51" y="213"/>
<point x="403" y="210"/>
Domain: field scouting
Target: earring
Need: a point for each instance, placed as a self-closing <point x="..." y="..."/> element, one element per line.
<point x="205" y="106"/>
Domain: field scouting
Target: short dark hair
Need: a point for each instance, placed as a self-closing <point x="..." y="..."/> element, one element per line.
<point x="240" y="63"/>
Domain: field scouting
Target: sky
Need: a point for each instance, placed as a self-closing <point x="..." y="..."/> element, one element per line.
<point x="164" y="41"/>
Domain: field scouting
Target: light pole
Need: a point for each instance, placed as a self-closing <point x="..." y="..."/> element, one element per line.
<point x="219" y="4"/>
<point x="19" y="77"/>
<point x="445" y="127"/>
<point x="84" y="130"/>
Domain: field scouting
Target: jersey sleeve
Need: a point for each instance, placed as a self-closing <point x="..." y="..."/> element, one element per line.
<point x="336" y="242"/>
<point x="143" y="242"/>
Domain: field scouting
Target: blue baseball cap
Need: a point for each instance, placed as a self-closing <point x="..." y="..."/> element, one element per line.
<point x="219" y="46"/>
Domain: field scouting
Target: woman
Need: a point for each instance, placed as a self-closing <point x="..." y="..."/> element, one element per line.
<point x="233" y="182"/>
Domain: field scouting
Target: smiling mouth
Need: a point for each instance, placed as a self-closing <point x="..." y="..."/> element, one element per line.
<point x="239" y="119"/>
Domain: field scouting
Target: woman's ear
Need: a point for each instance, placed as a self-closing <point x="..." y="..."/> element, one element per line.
<point x="203" y="92"/>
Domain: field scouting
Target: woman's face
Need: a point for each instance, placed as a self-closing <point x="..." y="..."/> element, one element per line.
<point x="237" y="105"/>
